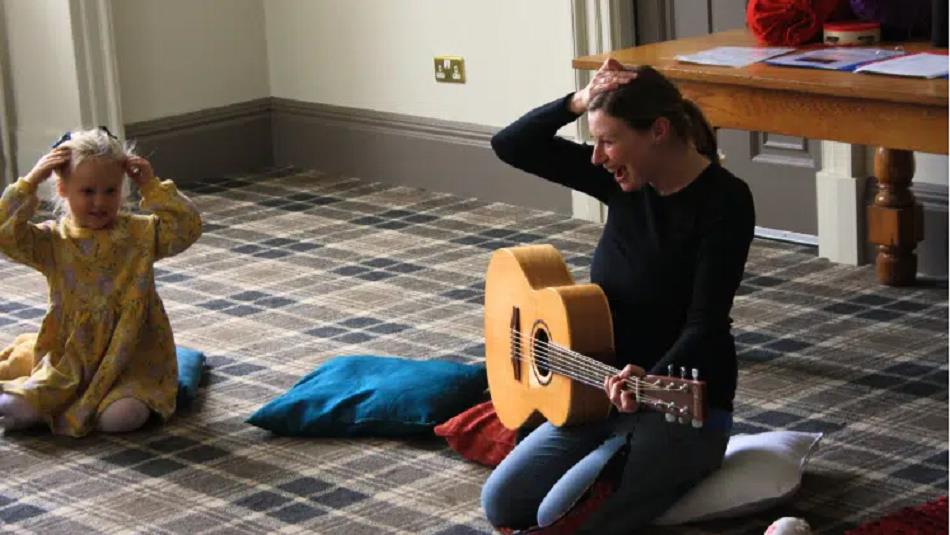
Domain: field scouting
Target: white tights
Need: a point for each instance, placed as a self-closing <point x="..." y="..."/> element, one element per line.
<point x="121" y="416"/>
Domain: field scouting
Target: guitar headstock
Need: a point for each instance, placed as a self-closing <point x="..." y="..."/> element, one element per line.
<point x="682" y="400"/>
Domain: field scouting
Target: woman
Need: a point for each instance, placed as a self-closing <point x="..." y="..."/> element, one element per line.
<point x="670" y="259"/>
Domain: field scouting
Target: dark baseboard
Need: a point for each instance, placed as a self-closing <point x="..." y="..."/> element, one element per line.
<point x="431" y="154"/>
<point x="219" y="141"/>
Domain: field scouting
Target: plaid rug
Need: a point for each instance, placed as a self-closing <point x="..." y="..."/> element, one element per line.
<point x="294" y="268"/>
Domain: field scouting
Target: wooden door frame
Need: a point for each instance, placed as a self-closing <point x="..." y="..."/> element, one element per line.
<point x="7" y="150"/>
<point x="97" y="70"/>
<point x="598" y="26"/>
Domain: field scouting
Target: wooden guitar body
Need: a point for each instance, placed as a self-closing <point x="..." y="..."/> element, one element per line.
<point x="532" y="305"/>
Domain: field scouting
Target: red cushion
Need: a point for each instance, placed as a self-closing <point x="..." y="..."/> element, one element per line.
<point x="478" y="435"/>
<point x="792" y="22"/>
<point x="927" y="519"/>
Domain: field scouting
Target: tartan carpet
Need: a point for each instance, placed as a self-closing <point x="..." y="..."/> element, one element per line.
<point x="295" y="267"/>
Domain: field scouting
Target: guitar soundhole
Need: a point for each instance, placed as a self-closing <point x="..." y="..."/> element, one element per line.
<point x="541" y="351"/>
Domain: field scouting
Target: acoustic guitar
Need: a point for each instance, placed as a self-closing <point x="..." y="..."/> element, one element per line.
<point x="549" y="347"/>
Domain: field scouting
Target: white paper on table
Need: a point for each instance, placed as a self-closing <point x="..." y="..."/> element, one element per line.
<point x="840" y="58"/>
<point x="733" y="56"/>
<point x="921" y="65"/>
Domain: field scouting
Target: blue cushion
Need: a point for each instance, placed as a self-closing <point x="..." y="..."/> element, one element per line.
<point x="368" y="395"/>
<point x="191" y="363"/>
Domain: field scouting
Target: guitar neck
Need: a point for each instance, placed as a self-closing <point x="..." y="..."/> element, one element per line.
<point x="678" y="397"/>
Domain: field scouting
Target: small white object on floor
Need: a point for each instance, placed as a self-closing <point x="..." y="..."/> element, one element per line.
<point x="788" y="525"/>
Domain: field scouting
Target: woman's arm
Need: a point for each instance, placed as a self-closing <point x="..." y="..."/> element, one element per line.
<point x="531" y="143"/>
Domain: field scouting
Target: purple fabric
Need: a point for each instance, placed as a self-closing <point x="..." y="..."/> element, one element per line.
<point x="900" y="19"/>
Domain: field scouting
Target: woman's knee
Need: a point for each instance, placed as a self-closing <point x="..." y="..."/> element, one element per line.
<point x="123" y="415"/>
<point x="494" y="502"/>
<point x="508" y="501"/>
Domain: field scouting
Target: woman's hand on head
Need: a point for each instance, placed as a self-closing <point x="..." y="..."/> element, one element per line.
<point x="52" y="160"/>
<point x="608" y="77"/>
<point x="139" y="169"/>
<point x="623" y="399"/>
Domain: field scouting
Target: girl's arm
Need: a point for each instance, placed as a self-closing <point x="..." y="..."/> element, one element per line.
<point x="21" y="240"/>
<point x="177" y="221"/>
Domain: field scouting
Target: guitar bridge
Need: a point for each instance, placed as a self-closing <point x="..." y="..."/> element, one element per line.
<point x="516" y="343"/>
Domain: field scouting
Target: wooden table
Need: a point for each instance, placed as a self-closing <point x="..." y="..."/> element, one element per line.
<point x="898" y="115"/>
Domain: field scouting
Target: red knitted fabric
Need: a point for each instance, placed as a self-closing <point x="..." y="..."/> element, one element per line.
<point x="792" y="22"/>
<point x="927" y="519"/>
<point x="478" y="435"/>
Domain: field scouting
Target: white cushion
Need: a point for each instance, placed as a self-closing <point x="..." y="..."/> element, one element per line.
<point x="758" y="471"/>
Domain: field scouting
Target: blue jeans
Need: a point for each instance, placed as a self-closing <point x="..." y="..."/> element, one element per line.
<point x="551" y="468"/>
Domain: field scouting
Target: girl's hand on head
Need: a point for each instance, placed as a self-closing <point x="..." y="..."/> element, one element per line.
<point x="623" y="399"/>
<point x="139" y="170"/>
<point x="608" y="77"/>
<point x="52" y="160"/>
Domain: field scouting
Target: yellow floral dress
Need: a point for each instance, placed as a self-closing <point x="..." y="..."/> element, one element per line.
<point x="106" y="335"/>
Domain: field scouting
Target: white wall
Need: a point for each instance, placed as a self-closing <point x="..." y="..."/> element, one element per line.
<point x="930" y="168"/>
<point x="378" y="55"/>
<point x="44" y="88"/>
<point x="179" y="56"/>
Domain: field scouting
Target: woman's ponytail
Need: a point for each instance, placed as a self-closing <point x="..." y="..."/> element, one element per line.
<point x="700" y="131"/>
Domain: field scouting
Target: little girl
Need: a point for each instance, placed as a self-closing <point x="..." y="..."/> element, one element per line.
<point x="104" y="356"/>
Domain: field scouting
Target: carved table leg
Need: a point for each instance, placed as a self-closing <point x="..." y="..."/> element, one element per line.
<point x="895" y="220"/>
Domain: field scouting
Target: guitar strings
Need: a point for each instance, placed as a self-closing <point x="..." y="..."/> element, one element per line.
<point x="553" y="365"/>
<point x="642" y="398"/>
<point x="586" y="362"/>
<point x="547" y="355"/>
<point x="580" y="363"/>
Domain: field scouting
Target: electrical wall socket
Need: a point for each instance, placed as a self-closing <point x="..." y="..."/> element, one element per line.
<point x="450" y="69"/>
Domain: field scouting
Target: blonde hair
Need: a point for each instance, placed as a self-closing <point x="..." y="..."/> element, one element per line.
<point x="92" y="143"/>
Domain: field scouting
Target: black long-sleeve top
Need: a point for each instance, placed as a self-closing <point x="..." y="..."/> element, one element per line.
<point x="669" y="265"/>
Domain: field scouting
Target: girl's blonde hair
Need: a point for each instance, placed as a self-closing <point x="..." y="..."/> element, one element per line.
<point x="92" y="143"/>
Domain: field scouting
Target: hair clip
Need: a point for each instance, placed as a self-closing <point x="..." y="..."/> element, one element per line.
<point x="63" y="139"/>
<point x="108" y="133"/>
<point x="69" y="135"/>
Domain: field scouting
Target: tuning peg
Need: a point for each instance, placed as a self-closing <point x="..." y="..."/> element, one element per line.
<point x="697" y="423"/>
<point x="670" y="417"/>
<point x="682" y="372"/>
<point x="695" y="374"/>
<point x="669" y="370"/>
